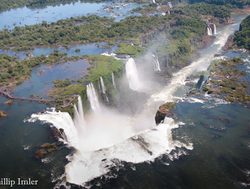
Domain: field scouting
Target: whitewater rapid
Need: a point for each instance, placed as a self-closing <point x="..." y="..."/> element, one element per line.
<point x="110" y="138"/>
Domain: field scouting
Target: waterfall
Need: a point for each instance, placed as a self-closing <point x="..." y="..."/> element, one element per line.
<point x="132" y="75"/>
<point x="76" y="117"/>
<point x="170" y="5"/>
<point x="215" y="30"/>
<point x="103" y="89"/>
<point x="80" y="110"/>
<point x="156" y="64"/>
<point x="209" y="31"/>
<point x="79" y="120"/>
<point x="92" y="97"/>
<point x="153" y="1"/>
<point x="113" y="80"/>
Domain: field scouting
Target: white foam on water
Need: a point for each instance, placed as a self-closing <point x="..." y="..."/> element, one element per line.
<point x="145" y="146"/>
<point x="110" y="136"/>
<point x="195" y="100"/>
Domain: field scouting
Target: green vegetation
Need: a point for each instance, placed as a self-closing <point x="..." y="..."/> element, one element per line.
<point x="218" y="11"/>
<point x="80" y="30"/>
<point x="227" y="81"/>
<point x="8" y="4"/>
<point x="184" y="39"/>
<point x="65" y="91"/>
<point x="242" y="37"/>
<point x="64" y="32"/>
<point x="13" y="71"/>
<point x="61" y="92"/>
<point x="130" y="49"/>
<point x="102" y="66"/>
<point x="237" y="3"/>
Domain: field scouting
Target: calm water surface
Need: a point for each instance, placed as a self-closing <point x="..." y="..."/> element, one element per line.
<point x="26" y="16"/>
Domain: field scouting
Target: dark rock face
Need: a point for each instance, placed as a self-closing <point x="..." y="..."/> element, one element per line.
<point x="58" y="133"/>
<point x="202" y="81"/>
<point x="164" y="110"/>
<point x="199" y="83"/>
<point x="159" y="117"/>
<point x="45" y="149"/>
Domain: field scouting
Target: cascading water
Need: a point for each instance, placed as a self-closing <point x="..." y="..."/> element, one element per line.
<point x="156" y="64"/>
<point x="153" y="1"/>
<point x="170" y="5"/>
<point x="214" y="29"/>
<point x="79" y="120"/>
<point x="103" y="88"/>
<point x="93" y="99"/>
<point x="113" y="80"/>
<point x="209" y="31"/>
<point x="132" y="75"/>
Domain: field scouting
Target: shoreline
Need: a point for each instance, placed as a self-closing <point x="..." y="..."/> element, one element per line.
<point x="7" y="94"/>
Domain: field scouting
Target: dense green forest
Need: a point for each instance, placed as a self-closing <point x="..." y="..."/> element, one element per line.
<point x="97" y="29"/>
<point x="242" y="37"/>
<point x="238" y="3"/>
<point x="220" y="12"/>
<point x="79" y="30"/>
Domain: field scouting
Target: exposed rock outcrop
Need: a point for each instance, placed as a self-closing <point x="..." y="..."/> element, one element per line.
<point x="2" y="114"/>
<point x="164" y="110"/>
<point x="45" y="149"/>
<point x="9" y="102"/>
